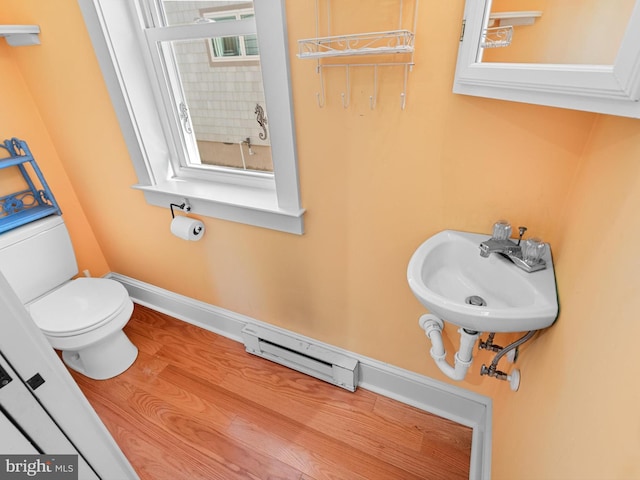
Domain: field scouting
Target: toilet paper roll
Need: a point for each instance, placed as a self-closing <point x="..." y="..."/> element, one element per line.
<point x="187" y="228"/>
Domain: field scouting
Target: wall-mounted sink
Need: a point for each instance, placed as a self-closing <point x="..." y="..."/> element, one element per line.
<point x="450" y="278"/>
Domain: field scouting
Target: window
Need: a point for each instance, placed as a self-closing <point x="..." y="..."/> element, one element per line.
<point x="232" y="48"/>
<point x="230" y="153"/>
<point x="213" y="91"/>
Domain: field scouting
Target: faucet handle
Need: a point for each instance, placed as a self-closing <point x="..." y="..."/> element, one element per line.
<point x="501" y="230"/>
<point x="533" y="250"/>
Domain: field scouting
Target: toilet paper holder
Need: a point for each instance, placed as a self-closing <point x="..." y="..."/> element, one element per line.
<point x="185" y="207"/>
<point x="196" y="226"/>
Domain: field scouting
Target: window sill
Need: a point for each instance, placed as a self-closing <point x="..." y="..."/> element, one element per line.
<point x="236" y="203"/>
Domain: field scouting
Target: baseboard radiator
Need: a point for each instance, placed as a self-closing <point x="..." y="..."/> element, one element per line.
<point x="302" y="355"/>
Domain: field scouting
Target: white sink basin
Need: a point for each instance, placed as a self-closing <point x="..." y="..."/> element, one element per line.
<point x="447" y="269"/>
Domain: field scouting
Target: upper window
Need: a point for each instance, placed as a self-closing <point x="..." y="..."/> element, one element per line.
<point x="204" y="105"/>
<point x="214" y="94"/>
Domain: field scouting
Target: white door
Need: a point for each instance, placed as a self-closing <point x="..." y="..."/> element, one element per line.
<point x="52" y="413"/>
<point x="20" y="407"/>
<point x="12" y="440"/>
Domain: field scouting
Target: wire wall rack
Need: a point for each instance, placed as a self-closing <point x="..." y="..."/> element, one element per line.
<point x="499" y="31"/>
<point x="496" y="37"/>
<point x="398" y="43"/>
<point x="376" y="43"/>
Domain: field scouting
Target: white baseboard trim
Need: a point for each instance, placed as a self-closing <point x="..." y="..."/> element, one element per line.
<point x="448" y="401"/>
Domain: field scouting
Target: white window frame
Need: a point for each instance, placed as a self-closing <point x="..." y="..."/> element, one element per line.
<point x="120" y="38"/>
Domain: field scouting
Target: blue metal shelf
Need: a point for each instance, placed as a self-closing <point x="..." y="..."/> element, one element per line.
<point x="31" y="203"/>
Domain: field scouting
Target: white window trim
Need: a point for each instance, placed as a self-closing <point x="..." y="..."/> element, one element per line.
<point x="273" y="202"/>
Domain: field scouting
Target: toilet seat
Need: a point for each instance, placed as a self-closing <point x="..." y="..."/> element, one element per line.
<point x="79" y="306"/>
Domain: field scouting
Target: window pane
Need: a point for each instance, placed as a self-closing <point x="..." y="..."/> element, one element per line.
<point x="251" y="45"/>
<point x="226" y="46"/>
<point x="250" y="41"/>
<point x="222" y="18"/>
<point x="225" y="105"/>
<point x="180" y="12"/>
<point x="223" y="93"/>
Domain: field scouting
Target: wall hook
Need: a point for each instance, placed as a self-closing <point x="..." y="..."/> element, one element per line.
<point x="373" y="99"/>
<point x="346" y="97"/>
<point x="403" y="95"/>
<point x="320" y="96"/>
<point x="185" y="207"/>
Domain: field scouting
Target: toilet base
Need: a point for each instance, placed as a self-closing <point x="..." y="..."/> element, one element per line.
<point x="104" y="359"/>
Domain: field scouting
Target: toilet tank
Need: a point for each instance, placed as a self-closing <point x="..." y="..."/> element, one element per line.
<point x="37" y="257"/>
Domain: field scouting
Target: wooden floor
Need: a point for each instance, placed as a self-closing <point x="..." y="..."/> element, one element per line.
<point x="195" y="405"/>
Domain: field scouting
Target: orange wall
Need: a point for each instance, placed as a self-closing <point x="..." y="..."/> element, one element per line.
<point x="576" y="415"/>
<point x="583" y="31"/>
<point x="375" y="184"/>
<point x="20" y="117"/>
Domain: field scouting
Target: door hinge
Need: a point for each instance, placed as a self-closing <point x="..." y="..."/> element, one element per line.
<point x="464" y="24"/>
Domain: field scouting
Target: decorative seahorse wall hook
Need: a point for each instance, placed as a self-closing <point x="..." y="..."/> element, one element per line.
<point x="262" y="121"/>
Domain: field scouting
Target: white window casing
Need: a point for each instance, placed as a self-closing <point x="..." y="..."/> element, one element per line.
<point x="128" y="54"/>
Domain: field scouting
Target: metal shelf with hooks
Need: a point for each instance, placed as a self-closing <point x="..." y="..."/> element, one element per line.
<point x="27" y="204"/>
<point x="396" y="45"/>
<point x="376" y="43"/>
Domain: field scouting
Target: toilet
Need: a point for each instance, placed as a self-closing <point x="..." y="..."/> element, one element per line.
<point x="82" y="317"/>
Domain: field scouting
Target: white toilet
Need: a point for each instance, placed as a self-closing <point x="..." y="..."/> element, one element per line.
<point x="83" y="317"/>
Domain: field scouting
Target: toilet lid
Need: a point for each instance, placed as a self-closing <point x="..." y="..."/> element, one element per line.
<point x="78" y="306"/>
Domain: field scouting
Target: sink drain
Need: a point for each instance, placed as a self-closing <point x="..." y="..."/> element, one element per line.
<point x="476" y="301"/>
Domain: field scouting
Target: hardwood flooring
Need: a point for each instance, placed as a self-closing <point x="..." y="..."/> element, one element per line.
<point x="195" y="405"/>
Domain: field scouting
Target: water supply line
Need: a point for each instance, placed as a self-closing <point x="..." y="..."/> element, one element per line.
<point x="433" y="327"/>
<point x="492" y="370"/>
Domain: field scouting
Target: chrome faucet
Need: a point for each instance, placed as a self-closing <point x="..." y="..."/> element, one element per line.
<point x="512" y="251"/>
<point x="505" y="246"/>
